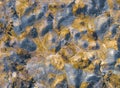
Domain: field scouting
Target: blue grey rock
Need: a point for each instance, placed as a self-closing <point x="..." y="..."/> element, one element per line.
<point x="92" y="80"/>
<point x="62" y="84"/>
<point x="118" y="43"/>
<point x="111" y="56"/>
<point x="77" y="35"/>
<point x="40" y="15"/>
<point x="100" y="3"/>
<point x="67" y="36"/>
<point x="1" y="33"/>
<point x="36" y="69"/>
<point x="31" y="20"/>
<point x="71" y="4"/>
<point x="8" y="65"/>
<point x="50" y="18"/>
<point x="19" y="59"/>
<point x="113" y="29"/>
<point x="53" y="40"/>
<point x="94" y="7"/>
<point x="15" y="16"/>
<point x="19" y="29"/>
<point x="97" y="69"/>
<point x="58" y="47"/>
<point x="110" y="60"/>
<point x="7" y="43"/>
<point x="47" y="29"/>
<point x="15" y="58"/>
<point x="59" y="22"/>
<point x="65" y="21"/>
<point x="85" y="44"/>
<point x="28" y="45"/>
<point x="65" y="17"/>
<point x="44" y="8"/>
<point x="82" y="10"/>
<point x="74" y="76"/>
<point x="40" y="75"/>
<point x="63" y="5"/>
<point x="102" y="26"/>
<point x="33" y="33"/>
<point x="11" y="3"/>
<point x="26" y="22"/>
<point x="30" y="8"/>
<point x="95" y="35"/>
<point x="68" y="20"/>
<point x="60" y="44"/>
<point x="26" y="84"/>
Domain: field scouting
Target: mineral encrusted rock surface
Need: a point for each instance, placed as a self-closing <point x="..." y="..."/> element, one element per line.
<point x="59" y="43"/>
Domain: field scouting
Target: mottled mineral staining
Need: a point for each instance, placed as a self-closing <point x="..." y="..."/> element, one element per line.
<point x="59" y="43"/>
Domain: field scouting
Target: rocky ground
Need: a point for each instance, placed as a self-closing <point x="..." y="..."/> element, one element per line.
<point x="59" y="43"/>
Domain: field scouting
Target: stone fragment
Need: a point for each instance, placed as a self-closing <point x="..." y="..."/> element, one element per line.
<point x="28" y="45"/>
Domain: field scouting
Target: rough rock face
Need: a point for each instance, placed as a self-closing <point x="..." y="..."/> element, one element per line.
<point x="59" y="43"/>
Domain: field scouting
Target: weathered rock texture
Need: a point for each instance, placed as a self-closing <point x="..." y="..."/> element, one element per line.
<point x="59" y="43"/>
